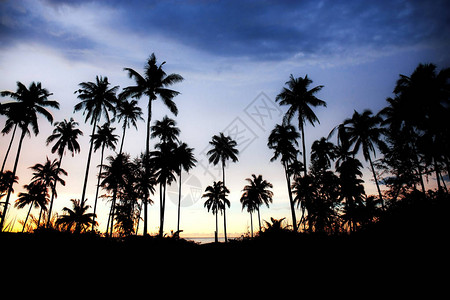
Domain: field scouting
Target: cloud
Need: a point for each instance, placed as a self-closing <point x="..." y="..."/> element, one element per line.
<point x="257" y="30"/>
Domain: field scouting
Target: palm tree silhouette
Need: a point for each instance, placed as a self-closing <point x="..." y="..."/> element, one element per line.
<point x="65" y="134"/>
<point x="224" y="148"/>
<point x="14" y="113"/>
<point x="424" y="97"/>
<point x="32" y="101"/>
<point x="144" y="184"/>
<point x="351" y="188"/>
<point x="164" y="164"/>
<point x="256" y="193"/>
<point x="104" y="138"/>
<point x="216" y="201"/>
<point x="363" y="131"/>
<point x="97" y="99"/>
<point x="36" y="196"/>
<point x="154" y="83"/>
<point x="282" y="140"/>
<point x="164" y="160"/>
<point x="300" y="99"/>
<point x="114" y="177"/>
<point x="185" y="159"/>
<point x="76" y="216"/>
<point x="130" y="113"/>
<point x="49" y="174"/>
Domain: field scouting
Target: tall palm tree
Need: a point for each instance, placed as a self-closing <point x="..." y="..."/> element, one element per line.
<point x="76" y="216"/>
<point x="364" y="132"/>
<point x="130" y="113"/>
<point x="114" y="177"/>
<point x="163" y="159"/>
<point x="15" y="118"/>
<point x="256" y="193"/>
<point x="33" y="101"/>
<point x="97" y="99"/>
<point x="300" y="100"/>
<point x="144" y="184"/>
<point x="165" y="165"/>
<point x="65" y="134"/>
<point x="223" y="149"/>
<point x="282" y="140"/>
<point x="36" y="196"/>
<point x="104" y="138"/>
<point x="153" y="83"/>
<point x="216" y="201"/>
<point x="185" y="159"/>
<point x="49" y="174"/>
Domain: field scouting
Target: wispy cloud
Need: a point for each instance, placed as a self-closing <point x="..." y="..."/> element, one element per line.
<point x="256" y="30"/>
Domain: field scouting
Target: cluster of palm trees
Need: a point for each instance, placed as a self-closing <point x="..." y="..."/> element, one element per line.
<point x="411" y="133"/>
<point x="125" y="181"/>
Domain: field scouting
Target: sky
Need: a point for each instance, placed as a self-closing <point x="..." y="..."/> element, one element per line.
<point x="235" y="57"/>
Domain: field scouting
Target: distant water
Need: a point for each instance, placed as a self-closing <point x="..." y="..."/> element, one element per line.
<point x="205" y="240"/>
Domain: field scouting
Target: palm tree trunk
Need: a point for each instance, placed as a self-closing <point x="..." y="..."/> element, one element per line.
<point x="376" y="181"/>
<point x="26" y="219"/>
<point x="53" y="194"/>
<point x="436" y="169"/>
<point x="123" y="135"/>
<point x="98" y="185"/>
<point x="147" y="156"/>
<point x="288" y="180"/>
<point x="113" y="206"/>
<point x="216" y="234"/>
<point x="224" y="207"/>
<point x="251" y="224"/>
<point x="10" y="188"/>
<point x="179" y="202"/>
<point x="86" y="175"/>
<point x="259" y="220"/>
<point x="300" y="124"/>
<point x="9" y="148"/>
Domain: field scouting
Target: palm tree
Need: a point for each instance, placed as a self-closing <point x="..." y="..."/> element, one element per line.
<point x="76" y="216"/>
<point x="255" y="194"/>
<point x="224" y="148"/>
<point x="185" y="159"/>
<point x="15" y="117"/>
<point x="300" y="99"/>
<point x="166" y="130"/>
<point x="65" y="134"/>
<point x="104" y="138"/>
<point x="33" y="101"/>
<point x="115" y="176"/>
<point x="97" y="99"/>
<point x="154" y="83"/>
<point x="351" y="187"/>
<point x="130" y="113"/>
<point x="165" y="165"/>
<point x="6" y="180"/>
<point x="423" y="99"/>
<point x="282" y="140"/>
<point x="36" y="196"/>
<point x="49" y="174"/>
<point x="144" y="184"/>
<point x="363" y="131"/>
<point x="216" y="201"/>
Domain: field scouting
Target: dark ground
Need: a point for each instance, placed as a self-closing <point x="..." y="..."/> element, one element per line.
<point x="395" y="252"/>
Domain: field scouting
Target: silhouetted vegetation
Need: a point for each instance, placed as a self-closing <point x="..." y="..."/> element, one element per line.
<point x="410" y="136"/>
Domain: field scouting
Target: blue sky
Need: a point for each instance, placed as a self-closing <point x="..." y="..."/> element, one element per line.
<point x="235" y="57"/>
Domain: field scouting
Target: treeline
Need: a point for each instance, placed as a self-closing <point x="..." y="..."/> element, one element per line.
<point x="411" y="133"/>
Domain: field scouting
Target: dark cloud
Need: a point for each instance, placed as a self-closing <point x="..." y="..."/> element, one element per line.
<point x="267" y="29"/>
